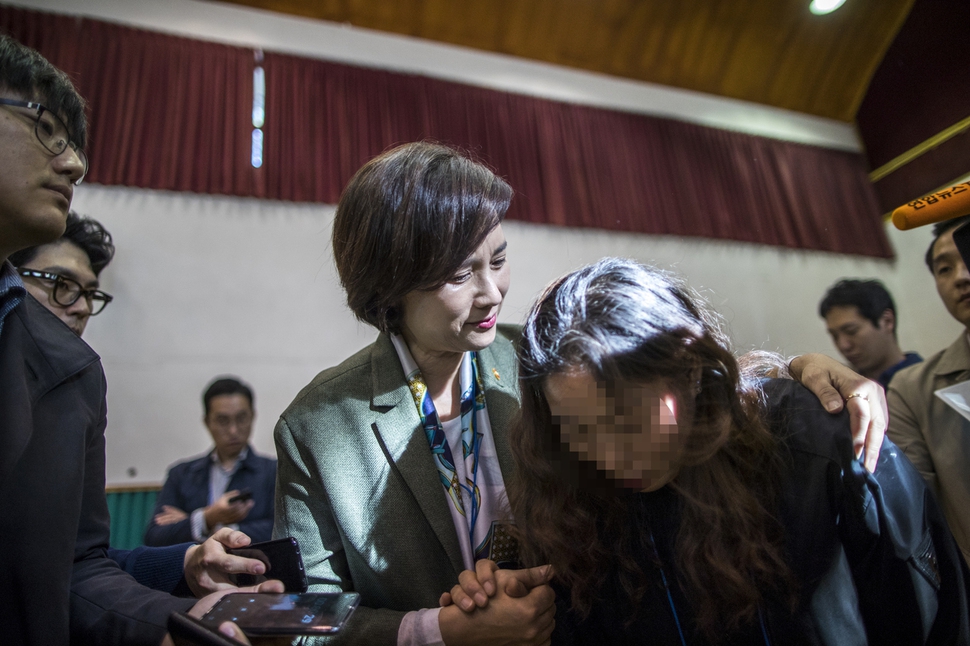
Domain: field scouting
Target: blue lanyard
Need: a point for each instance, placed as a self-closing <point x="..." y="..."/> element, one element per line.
<point x="673" y="608"/>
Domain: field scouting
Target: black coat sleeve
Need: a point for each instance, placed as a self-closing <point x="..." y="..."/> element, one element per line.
<point x="107" y="606"/>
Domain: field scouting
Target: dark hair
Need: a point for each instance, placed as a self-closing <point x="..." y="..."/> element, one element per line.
<point x="621" y="320"/>
<point x="87" y="233"/>
<point x="938" y="230"/>
<point x="407" y="220"/>
<point x="225" y="386"/>
<point x="24" y="71"/>
<point x="870" y="296"/>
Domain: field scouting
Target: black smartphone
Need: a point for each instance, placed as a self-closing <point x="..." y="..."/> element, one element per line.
<point x="189" y="631"/>
<point x="244" y="494"/>
<point x="310" y="613"/>
<point x="282" y="560"/>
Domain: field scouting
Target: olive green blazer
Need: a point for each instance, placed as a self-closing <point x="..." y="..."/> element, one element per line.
<point x="357" y="487"/>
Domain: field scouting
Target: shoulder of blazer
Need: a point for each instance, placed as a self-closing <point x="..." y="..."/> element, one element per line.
<point x="53" y="352"/>
<point x="499" y="359"/>
<point x="259" y="463"/>
<point x="351" y="378"/>
<point x="191" y="465"/>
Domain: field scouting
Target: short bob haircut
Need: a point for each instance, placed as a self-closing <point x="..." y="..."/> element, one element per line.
<point x="408" y="220"/>
<point x="87" y="233"/>
<point x="25" y="72"/>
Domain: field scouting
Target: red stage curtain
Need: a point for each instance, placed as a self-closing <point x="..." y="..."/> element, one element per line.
<point x="175" y="113"/>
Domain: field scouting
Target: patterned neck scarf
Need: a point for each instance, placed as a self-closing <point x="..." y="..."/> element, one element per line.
<point x="472" y="409"/>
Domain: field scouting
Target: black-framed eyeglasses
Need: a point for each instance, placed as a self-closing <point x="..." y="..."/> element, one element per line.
<point x="51" y="132"/>
<point x="66" y="291"/>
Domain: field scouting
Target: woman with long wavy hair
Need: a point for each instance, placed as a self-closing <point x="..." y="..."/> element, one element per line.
<point x="684" y="499"/>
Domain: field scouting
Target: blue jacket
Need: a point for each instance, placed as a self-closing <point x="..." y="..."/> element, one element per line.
<point x="187" y="488"/>
<point x="158" y="568"/>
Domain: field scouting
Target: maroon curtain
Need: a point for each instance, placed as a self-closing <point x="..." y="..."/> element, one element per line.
<point x="175" y="113"/>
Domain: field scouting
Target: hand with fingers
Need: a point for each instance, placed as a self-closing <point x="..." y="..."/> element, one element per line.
<point x="490" y="606"/>
<point x="208" y="568"/>
<point x="224" y="512"/>
<point x="475" y="587"/>
<point x="838" y="387"/>
<point x="170" y="515"/>
<point x="229" y="629"/>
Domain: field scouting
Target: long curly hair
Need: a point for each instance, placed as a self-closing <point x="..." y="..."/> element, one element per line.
<point x="620" y="320"/>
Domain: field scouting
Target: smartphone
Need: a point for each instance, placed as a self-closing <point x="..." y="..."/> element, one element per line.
<point x="309" y="613"/>
<point x="244" y="494"/>
<point x="282" y="560"/>
<point x="189" y="631"/>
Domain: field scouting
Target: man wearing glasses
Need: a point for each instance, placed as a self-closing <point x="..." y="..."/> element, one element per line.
<point x="63" y="275"/>
<point x="58" y="585"/>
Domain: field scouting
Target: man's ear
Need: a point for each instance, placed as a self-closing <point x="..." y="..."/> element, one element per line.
<point x="887" y="321"/>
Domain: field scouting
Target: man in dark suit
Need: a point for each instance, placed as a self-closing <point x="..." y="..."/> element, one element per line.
<point x="59" y="586"/>
<point x="230" y="486"/>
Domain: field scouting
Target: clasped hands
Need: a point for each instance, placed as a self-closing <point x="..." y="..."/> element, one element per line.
<point x="497" y="607"/>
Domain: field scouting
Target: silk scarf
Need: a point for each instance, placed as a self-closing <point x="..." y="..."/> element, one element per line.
<point x="465" y="498"/>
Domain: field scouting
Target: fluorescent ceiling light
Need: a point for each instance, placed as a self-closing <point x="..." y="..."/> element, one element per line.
<point x="822" y="7"/>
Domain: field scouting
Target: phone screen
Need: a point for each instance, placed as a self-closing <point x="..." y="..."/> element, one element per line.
<point x="309" y="613"/>
<point x="282" y="560"/>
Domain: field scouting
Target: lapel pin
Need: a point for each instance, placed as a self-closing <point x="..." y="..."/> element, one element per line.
<point x="497" y="376"/>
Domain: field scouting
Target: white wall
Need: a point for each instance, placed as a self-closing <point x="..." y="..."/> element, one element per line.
<point x="211" y="285"/>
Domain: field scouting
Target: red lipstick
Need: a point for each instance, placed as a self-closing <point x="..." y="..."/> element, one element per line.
<point x="488" y="323"/>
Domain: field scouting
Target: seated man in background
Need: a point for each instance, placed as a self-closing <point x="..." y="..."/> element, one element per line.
<point x="861" y="319"/>
<point x="230" y="486"/>
<point x="63" y="276"/>
<point x="934" y="436"/>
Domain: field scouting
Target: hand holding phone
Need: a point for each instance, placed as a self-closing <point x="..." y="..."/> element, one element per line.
<point x="230" y="507"/>
<point x="310" y="613"/>
<point x="282" y="560"/>
<point x="242" y="496"/>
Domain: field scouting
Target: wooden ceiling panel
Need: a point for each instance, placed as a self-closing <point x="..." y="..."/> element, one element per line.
<point x="773" y="52"/>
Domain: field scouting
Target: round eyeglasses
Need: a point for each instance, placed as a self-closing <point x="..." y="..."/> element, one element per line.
<point x="67" y="291"/>
<point x="51" y="132"/>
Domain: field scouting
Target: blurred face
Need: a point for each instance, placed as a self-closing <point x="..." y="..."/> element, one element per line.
<point x="865" y="346"/>
<point x="461" y="314"/>
<point x="230" y="421"/>
<point x="35" y="186"/>
<point x="952" y="279"/>
<point x="629" y="430"/>
<point x="68" y="260"/>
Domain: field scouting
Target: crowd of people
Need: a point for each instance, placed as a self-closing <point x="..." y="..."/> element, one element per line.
<point x="609" y="472"/>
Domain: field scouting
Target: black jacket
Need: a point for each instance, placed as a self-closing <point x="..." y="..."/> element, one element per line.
<point x="872" y="555"/>
<point x="58" y="585"/>
<point x="187" y="488"/>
